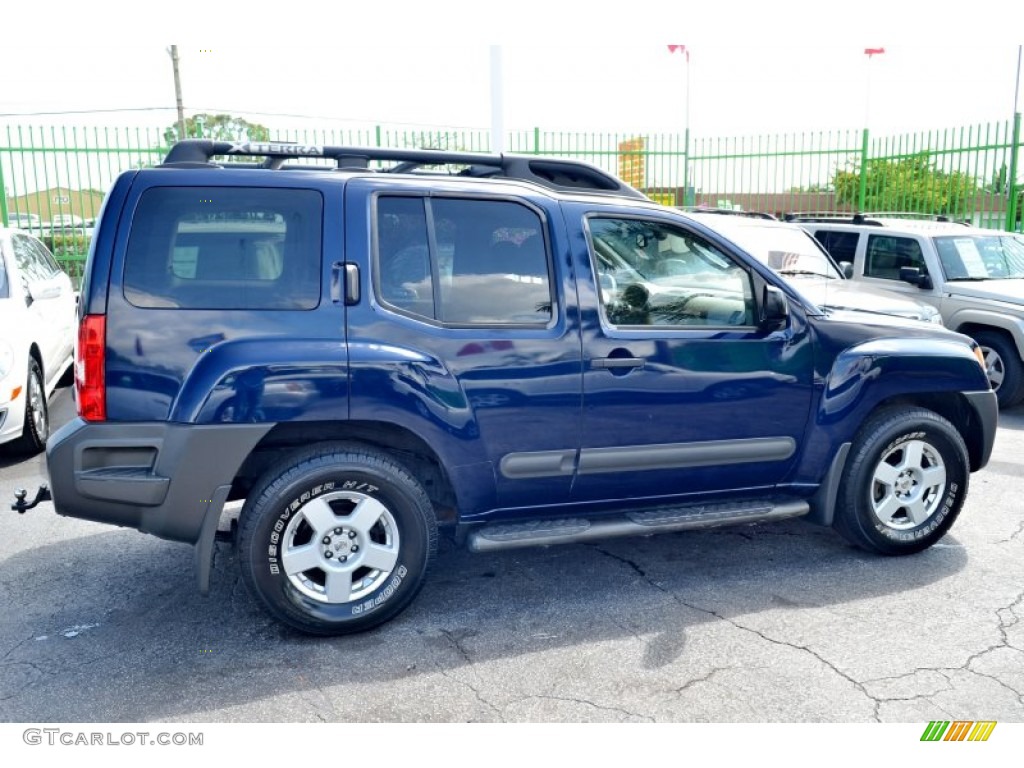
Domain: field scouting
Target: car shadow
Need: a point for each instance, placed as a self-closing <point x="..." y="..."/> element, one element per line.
<point x="110" y="627"/>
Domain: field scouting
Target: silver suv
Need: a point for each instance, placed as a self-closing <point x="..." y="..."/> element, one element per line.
<point x="974" y="277"/>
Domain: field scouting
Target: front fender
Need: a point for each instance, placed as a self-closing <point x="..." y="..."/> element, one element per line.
<point x="868" y="373"/>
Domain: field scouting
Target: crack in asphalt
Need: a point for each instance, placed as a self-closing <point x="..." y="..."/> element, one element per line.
<point x="704" y="679"/>
<point x="15" y="647"/>
<point x="643" y="574"/>
<point x="1014" y="535"/>
<point x="620" y="710"/>
<point x="28" y="683"/>
<point x="476" y="692"/>
<point x="1002" y="615"/>
<point x="454" y="642"/>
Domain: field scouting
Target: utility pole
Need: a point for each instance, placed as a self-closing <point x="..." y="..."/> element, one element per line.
<point x="177" y="91"/>
<point x="497" y="101"/>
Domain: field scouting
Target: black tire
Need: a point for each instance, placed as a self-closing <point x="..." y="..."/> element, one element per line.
<point x="376" y="514"/>
<point x="928" y="467"/>
<point x="1003" y="365"/>
<point x="37" y="413"/>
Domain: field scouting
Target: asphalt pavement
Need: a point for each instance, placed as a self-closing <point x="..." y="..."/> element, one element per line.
<point x="769" y="623"/>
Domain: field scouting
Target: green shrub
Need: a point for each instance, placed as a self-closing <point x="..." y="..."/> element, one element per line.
<point x="69" y="244"/>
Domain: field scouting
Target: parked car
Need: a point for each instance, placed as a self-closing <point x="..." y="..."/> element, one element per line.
<point x="511" y="354"/>
<point x="971" y="276"/>
<point x="37" y="331"/>
<point x="29" y="222"/>
<point x="66" y="221"/>
<point x="799" y="258"/>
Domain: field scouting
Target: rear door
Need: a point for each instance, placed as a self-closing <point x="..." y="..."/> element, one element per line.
<point x="470" y="335"/>
<point x="684" y="394"/>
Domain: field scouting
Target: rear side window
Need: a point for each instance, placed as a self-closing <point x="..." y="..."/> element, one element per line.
<point x="463" y="262"/>
<point x="225" y="248"/>
<point x="842" y="246"/>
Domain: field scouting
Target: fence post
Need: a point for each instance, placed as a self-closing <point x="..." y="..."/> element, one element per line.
<point x="687" y="198"/>
<point x="376" y="130"/>
<point x="536" y="140"/>
<point x="3" y="197"/>
<point x="1012" y="186"/>
<point x="862" y="192"/>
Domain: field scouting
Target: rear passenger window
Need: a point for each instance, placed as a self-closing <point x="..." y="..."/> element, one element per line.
<point x="225" y="248"/>
<point x="841" y="246"/>
<point x="463" y="262"/>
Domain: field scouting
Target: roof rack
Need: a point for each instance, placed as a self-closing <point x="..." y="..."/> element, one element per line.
<point x="727" y="212"/>
<point x="869" y="218"/>
<point x="554" y="173"/>
<point x="832" y="217"/>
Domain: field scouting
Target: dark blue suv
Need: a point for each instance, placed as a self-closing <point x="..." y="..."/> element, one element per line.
<point x="521" y="350"/>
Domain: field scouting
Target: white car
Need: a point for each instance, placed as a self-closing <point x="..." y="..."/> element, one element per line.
<point x="799" y="258"/>
<point x="37" y="335"/>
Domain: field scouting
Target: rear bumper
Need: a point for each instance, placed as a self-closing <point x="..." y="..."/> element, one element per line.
<point x="157" y="477"/>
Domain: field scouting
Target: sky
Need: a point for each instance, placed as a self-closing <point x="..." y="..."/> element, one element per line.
<point x="736" y="86"/>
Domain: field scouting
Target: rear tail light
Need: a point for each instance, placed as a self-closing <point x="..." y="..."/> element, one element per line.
<point x="90" y="368"/>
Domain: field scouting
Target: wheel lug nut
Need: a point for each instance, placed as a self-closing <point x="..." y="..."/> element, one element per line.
<point x="343" y="558"/>
<point x="338" y="531"/>
<point x="327" y="539"/>
<point x="355" y="547"/>
<point x="351" y="534"/>
<point x="328" y="554"/>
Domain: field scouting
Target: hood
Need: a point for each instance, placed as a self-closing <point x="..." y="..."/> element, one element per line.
<point x="847" y="294"/>
<point x="887" y="321"/>
<point x="1009" y="291"/>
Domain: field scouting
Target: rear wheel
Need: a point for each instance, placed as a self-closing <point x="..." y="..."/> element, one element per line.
<point x="1003" y="365"/>
<point x="905" y="482"/>
<point x="37" y="414"/>
<point x="337" y="540"/>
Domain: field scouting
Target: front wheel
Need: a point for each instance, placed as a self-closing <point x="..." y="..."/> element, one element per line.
<point x="37" y="414"/>
<point x="336" y="540"/>
<point x="905" y="482"/>
<point x="1003" y="366"/>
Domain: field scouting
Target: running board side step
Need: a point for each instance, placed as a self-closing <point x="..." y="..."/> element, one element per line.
<point x="573" y="530"/>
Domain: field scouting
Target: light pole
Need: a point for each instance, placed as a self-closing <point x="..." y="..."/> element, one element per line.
<point x="687" y="198"/>
<point x="863" y="187"/>
<point x="173" y="51"/>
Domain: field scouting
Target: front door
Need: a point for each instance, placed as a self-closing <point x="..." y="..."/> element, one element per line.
<point x="685" y="394"/>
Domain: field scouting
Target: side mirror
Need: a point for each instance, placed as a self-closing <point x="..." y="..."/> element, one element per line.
<point x="913" y="276"/>
<point x="846" y="267"/>
<point x="774" y="309"/>
<point x="46" y="289"/>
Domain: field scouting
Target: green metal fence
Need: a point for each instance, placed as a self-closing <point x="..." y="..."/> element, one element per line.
<point x="55" y="177"/>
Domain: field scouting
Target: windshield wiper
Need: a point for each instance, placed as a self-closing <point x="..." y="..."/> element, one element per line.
<point x="968" y="279"/>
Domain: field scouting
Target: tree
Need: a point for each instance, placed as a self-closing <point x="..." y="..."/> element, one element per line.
<point x="910" y="184"/>
<point x="219" y="128"/>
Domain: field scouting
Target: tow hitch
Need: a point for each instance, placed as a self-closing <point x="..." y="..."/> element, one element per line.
<point x="22" y="506"/>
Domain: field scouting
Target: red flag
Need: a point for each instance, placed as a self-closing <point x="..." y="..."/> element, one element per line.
<point x="872" y="51"/>
<point x="679" y="49"/>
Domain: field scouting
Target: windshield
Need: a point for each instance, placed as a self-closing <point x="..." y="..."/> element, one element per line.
<point x="790" y="252"/>
<point x="981" y="257"/>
